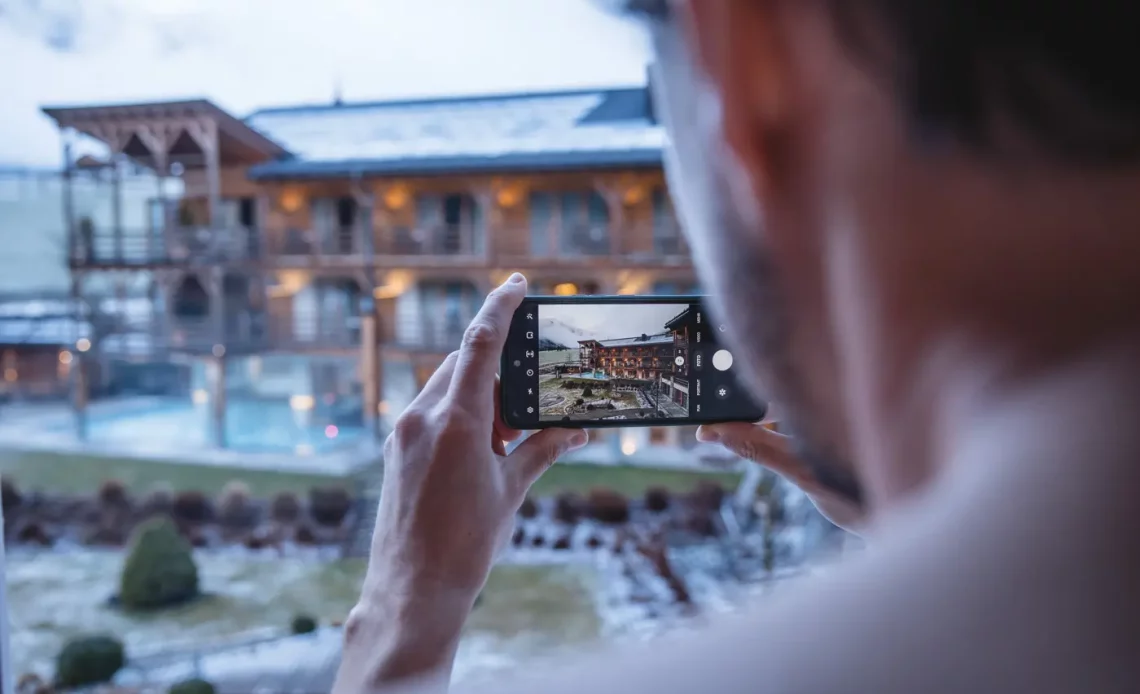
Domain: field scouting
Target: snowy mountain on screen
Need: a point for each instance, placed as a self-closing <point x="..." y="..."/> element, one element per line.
<point x="554" y="334"/>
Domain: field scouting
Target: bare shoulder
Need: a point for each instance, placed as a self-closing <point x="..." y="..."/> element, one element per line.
<point x="962" y="599"/>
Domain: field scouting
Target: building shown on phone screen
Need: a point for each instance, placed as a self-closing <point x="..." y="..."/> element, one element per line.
<point x="320" y="260"/>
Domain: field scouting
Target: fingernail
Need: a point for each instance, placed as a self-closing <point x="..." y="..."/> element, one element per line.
<point x="706" y="435"/>
<point x="515" y="278"/>
<point x="578" y="440"/>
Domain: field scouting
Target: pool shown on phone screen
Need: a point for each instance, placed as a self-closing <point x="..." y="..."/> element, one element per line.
<point x="600" y="362"/>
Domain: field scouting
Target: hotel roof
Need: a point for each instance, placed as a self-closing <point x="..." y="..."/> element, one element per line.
<point x="507" y="132"/>
<point x="661" y="339"/>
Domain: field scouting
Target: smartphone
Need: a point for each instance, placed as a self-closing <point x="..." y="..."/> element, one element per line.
<point x="619" y="361"/>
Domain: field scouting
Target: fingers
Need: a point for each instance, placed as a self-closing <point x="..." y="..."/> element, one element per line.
<point x="759" y="444"/>
<point x="502" y="431"/>
<point x="483" y="343"/>
<point x="535" y="455"/>
<point x="436" y="386"/>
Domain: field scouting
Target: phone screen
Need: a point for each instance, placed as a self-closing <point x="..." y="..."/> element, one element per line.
<point x="619" y="362"/>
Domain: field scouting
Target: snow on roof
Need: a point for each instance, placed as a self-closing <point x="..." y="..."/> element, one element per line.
<point x="479" y="131"/>
<point x="661" y="339"/>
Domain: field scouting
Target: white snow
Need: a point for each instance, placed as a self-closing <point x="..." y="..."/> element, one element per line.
<point x="488" y="127"/>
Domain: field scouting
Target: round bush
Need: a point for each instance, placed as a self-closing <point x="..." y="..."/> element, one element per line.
<point x="113" y="493"/>
<point x="657" y="499"/>
<point x="708" y="496"/>
<point x="235" y="507"/>
<point x="303" y="624"/>
<point x="608" y="506"/>
<point x="89" y="660"/>
<point x="33" y="533"/>
<point x="329" y="505"/>
<point x="10" y="495"/>
<point x="529" y="509"/>
<point x="567" y="508"/>
<point x="304" y="535"/>
<point x="192" y="507"/>
<point x="285" y="507"/>
<point x="192" y="687"/>
<point x="159" y="500"/>
<point x="159" y="570"/>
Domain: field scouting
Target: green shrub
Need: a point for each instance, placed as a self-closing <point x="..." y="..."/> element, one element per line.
<point x="10" y="496"/>
<point x="303" y="624"/>
<point x="607" y="506"/>
<point x="193" y="507"/>
<point x="113" y="493"/>
<point x="89" y="660"/>
<point x="329" y="505"/>
<point x="235" y="507"/>
<point x="192" y="687"/>
<point x="159" y="570"/>
<point x="285" y="507"/>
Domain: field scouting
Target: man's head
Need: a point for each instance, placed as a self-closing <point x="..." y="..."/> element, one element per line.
<point x="870" y="185"/>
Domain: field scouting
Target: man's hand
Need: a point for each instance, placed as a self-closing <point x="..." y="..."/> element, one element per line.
<point x="447" y="507"/>
<point x="773" y="450"/>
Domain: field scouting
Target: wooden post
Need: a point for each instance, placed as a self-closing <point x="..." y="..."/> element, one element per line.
<point x="370" y="365"/>
<point x="7" y="681"/>
<point x="214" y="183"/>
<point x="217" y="293"/>
<point x="80" y="387"/>
<point x="117" y="207"/>
<point x="69" y="195"/>
<point x="165" y="233"/>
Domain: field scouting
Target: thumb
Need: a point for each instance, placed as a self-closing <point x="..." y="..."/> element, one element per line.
<point x="532" y="457"/>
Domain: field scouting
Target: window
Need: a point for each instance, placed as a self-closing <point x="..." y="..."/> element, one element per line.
<point x="541" y="217"/>
<point x="449" y="224"/>
<point x="581" y="220"/>
<point x="667" y="239"/>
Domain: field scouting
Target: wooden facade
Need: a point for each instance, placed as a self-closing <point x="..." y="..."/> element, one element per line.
<point x="392" y="263"/>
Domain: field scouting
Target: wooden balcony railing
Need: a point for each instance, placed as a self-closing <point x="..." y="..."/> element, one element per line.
<point x="175" y="245"/>
<point x="449" y="240"/>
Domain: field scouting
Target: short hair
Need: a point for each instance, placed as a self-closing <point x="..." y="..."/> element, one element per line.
<point x="1060" y="74"/>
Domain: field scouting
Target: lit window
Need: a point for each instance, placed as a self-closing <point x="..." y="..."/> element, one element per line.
<point x="566" y="289"/>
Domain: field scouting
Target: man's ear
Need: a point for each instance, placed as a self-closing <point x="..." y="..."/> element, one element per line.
<point x="740" y="45"/>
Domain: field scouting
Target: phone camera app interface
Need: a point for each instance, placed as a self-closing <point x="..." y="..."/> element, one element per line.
<point x="616" y="362"/>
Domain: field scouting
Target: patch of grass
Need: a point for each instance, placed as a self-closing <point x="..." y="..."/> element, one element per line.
<point x="65" y="473"/>
<point x="627" y="479"/>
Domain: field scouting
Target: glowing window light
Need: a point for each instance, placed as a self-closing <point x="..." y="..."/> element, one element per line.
<point x="628" y="444"/>
<point x="566" y="289"/>
<point x="301" y="403"/>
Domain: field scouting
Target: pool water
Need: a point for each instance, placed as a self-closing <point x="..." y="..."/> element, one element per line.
<point x="251" y="426"/>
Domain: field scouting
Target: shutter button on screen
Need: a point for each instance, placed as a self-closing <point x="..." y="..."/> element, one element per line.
<point x="722" y="360"/>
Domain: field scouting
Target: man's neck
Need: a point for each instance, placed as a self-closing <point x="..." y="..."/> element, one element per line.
<point x="971" y="414"/>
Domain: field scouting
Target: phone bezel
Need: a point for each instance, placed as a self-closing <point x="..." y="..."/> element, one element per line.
<point x="504" y="365"/>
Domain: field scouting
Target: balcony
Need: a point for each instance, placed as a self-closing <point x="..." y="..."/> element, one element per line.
<point x="174" y="246"/>
<point x="333" y="330"/>
<point x="443" y="241"/>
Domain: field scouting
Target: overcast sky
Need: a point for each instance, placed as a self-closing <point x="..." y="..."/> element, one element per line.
<point x="612" y="321"/>
<point x="245" y="54"/>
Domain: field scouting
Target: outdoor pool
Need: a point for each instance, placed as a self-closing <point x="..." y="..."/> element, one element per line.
<point x="251" y="427"/>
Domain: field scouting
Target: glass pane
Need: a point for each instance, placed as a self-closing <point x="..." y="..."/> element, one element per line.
<point x="541" y="216"/>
